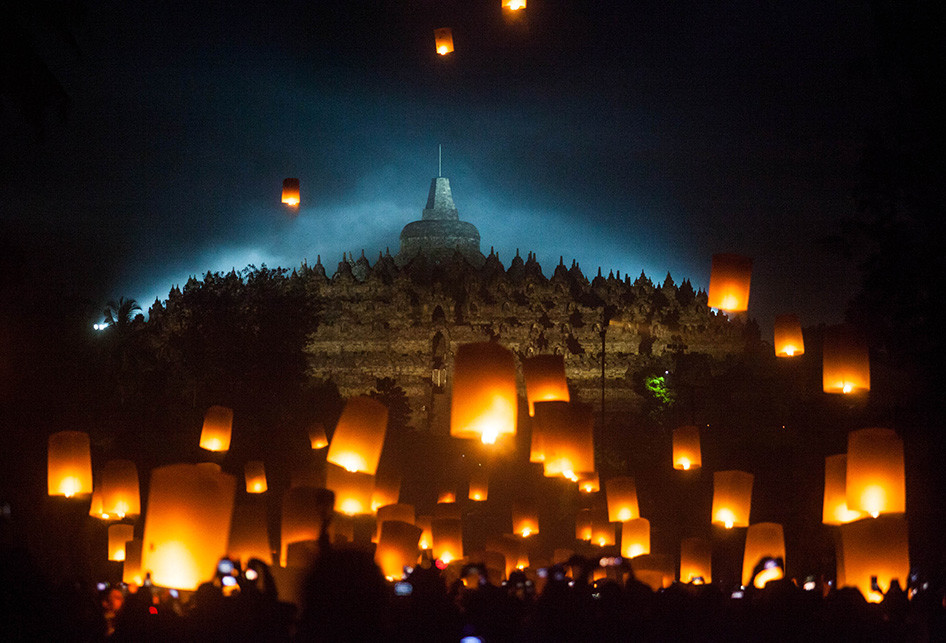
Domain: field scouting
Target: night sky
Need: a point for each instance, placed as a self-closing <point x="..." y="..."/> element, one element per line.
<point x="631" y="136"/>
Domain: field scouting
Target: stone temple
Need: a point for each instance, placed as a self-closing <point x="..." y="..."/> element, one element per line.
<point x="403" y="317"/>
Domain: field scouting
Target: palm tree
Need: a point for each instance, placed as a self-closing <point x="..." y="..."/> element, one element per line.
<point x="120" y="314"/>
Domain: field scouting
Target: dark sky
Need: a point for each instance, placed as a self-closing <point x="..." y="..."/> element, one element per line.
<point x="644" y="135"/>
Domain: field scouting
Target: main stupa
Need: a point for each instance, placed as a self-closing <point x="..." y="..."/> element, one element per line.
<point x="439" y="233"/>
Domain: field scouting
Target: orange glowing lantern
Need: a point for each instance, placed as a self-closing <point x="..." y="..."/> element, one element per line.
<point x="513" y="5"/>
<point x="763" y="540"/>
<point x="729" y="283"/>
<point x="426" y="536"/>
<point x="353" y="490"/>
<point x="120" y="494"/>
<point x="479" y="485"/>
<point x="97" y="507"/>
<point x="696" y="561"/>
<point x="69" y="464"/>
<point x="537" y="444"/>
<point x="446" y="497"/>
<point x="218" y="423"/>
<point x="654" y="570"/>
<point x="568" y="429"/>
<point x="387" y="490"/>
<point x="187" y="524"/>
<point x="588" y="482"/>
<point x="302" y="514"/>
<point x="512" y="549"/>
<point x="290" y="192"/>
<point x="317" y="436"/>
<point x="359" y="435"/>
<point x="622" y="499"/>
<point x="397" y="547"/>
<point x="131" y="568"/>
<point x="447" y="535"/>
<point x="845" y="360"/>
<point x="525" y="517"/>
<point x="401" y="513"/>
<point x="635" y="537"/>
<point x="545" y="379"/>
<point x="255" y="474"/>
<point x="874" y="548"/>
<point x="443" y="38"/>
<point x="875" y="472"/>
<point x="249" y="536"/>
<point x="788" y="338"/>
<point x="484" y="401"/>
<point x="118" y="535"/>
<point x="583" y="522"/>
<point x="732" y="498"/>
<point x="834" y="509"/>
<point x="686" y="448"/>
<point x="602" y="531"/>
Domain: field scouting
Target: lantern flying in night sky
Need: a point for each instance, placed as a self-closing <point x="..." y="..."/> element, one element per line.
<point x="69" y="464"/>
<point x="290" y="192"/>
<point x="484" y="402"/>
<point x="359" y="435"/>
<point x="443" y="39"/>
<point x="732" y="498"/>
<point x="218" y="424"/>
<point x="545" y="379"/>
<point x="729" y="282"/>
<point x="788" y="338"/>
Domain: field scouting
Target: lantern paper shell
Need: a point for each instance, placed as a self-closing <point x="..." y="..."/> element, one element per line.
<point x="118" y="535"/>
<point x="788" y="338"/>
<point x="545" y="380"/>
<point x="97" y="506"/>
<point x="696" y="560"/>
<point x="635" y="537"/>
<point x="537" y="444"/>
<point x="729" y="282"/>
<point x="834" y="509"/>
<point x="525" y="517"/>
<point x="479" y="485"/>
<point x="359" y="435"/>
<point x="446" y="497"/>
<point x="512" y="550"/>
<point x="583" y="521"/>
<point x="447" y="536"/>
<point x="763" y="540"/>
<point x="845" y="360"/>
<point x="397" y="547"/>
<point x="513" y="5"/>
<point x="301" y="518"/>
<point x="255" y="474"/>
<point x="602" y="531"/>
<point x="875" y="472"/>
<point x="249" y="536"/>
<point x="874" y="547"/>
<point x="187" y="524"/>
<point x="290" y="192"/>
<point x="426" y="537"/>
<point x="131" y="568"/>
<point x="653" y="569"/>
<point x="732" y="498"/>
<point x="588" y="482"/>
<point x="218" y="423"/>
<point x="353" y="490"/>
<point x="317" y="436"/>
<point x="402" y="513"/>
<point x="387" y="490"/>
<point x="120" y="494"/>
<point x="484" y="401"/>
<point x="69" y="464"/>
<point x="443" y="38"/>
<point x="622" y="499"/>
<point x="567" y="429"/>
<point x="686" y="448"/>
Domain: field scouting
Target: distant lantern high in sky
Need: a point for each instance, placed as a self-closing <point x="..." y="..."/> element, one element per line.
<point x="290" y="192"/>
<point x="443" y="38"/>
<point x="729" y="282"/>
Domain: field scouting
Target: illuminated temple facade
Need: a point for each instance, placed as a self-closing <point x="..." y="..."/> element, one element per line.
<point x="403" y="317"/>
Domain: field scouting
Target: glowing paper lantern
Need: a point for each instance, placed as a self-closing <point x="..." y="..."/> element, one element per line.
<point x="875" y="472"/>
<point x="69" y="464"/>
<point x="484" y="401"/>
<point x="732" y="498"/>
<point x="686" y="448"/>
<point x="602" y="531"/>
<point x="834" y="509"/>
<point x="187" y="524"/>
<point x="359" y="435"/>
<point x="788" y="338"/>
<point x="446" y="497"/>
<point x="249" y="536"/>
<point x="426" y="536"/>
<point x="525" y="517"/>
<point x="696" y="561"/>
<point x="353" y="490"/>
<point x="845" y="360"/>
<point x="763" y="540"/>
<point x="583" y="521"/>
<point x="588" y="482"/>
<point x="397" y="547"/>
<point x="622" y="499"/>
<point x="317" y="436"/>
<point x="131" y="568"/>
<point x="567" y="429"/>
<point x="302" y="516"/>
<point x="512" y="549"/>
<point x="255" y="474"/>
<point x="479" y="485"/>
<point x="513" y="5"/>
<point x="635" y="537"/>
<point x="443" y="39"/>
<point x="447" y="535"/>
<point x="653" y="569"/>
<point x="545" y="379"/>
<point x="874" y="548"/>
<point x="387" y="490"/>
<point x="290" y="192"/>
<point x="97" y="507"/>
<point x="401" y="513"/>
<point x="729" y="282"/>
<point x="218" y="423"/>
<point x="120" y="494"/>
<point x="118" y="535"/>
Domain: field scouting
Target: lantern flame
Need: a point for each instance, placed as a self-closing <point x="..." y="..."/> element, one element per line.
<point x="516" y="5"/>
<point x="789" y="351"/>
<point x="68" y="486"/>
<point x="624" y="514"/>
<point x="526" y="532"/>
<point x="634" y="551"/>
<point x="771" y="573"/>
<point x="443" y="50"/>
<point x="685" y="464"/>
<point x="726" y="517"/>
<point x="351" y="507"/>
<point x="847" y="387"/>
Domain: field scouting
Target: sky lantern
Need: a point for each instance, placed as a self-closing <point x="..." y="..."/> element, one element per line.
<point x="397" y="548"/>
<point x="484" y="401"/>
<point x="447" y="534"/>
<point x="834" y="509"/>
<point x="317" y="436"/>
<point x="97" y="507"/>
<point x="686" y="448"/>
<point x="403" y="513"/>
<point x="635" y="537"/>
<point x="359" y="435"/>
<point x="655" y="570"/>
<point x="353" y="489"/>
<point x="443" y="38"/>
<point x="583" y="521"/>
<point x="874" y="548"/>
<point x="568" y="429"/>
<point x="696" y="561"/>
<point x="387" y="490"/>
<point x="729" y="283"/>
<point x="255" y="474"/>
<point x="788" y="338"/>
<point x="763" y="540"/>
<point x="602" y="531"/>
<point x="131" y="567"/>
<point x="732" y="498"/>
<point x="622" y="499"/>
<point x="513" y="5"/>
<point x="875" y="472"/>
<point x="512" y="549"/>
<point x="588" y="482"/>
<point x="187" y="524"/>
<point x="249" y="536"/>
<point x="845" y="360"/>
<point x="120" y="494"/>
<point x="118" y="535"/>
<point x="479" y="485"/>
<point x="545" y="379"/>
<point x="218" y="424"/>
<point x="537" y="443"/>
<point x="69" y="464"/>
<point x="446" y="496"/>
<point x="301" y="518"/>
<point x="525" y="517"/>
<point x="426" y="537"/>
<point x="290" y="192"/>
